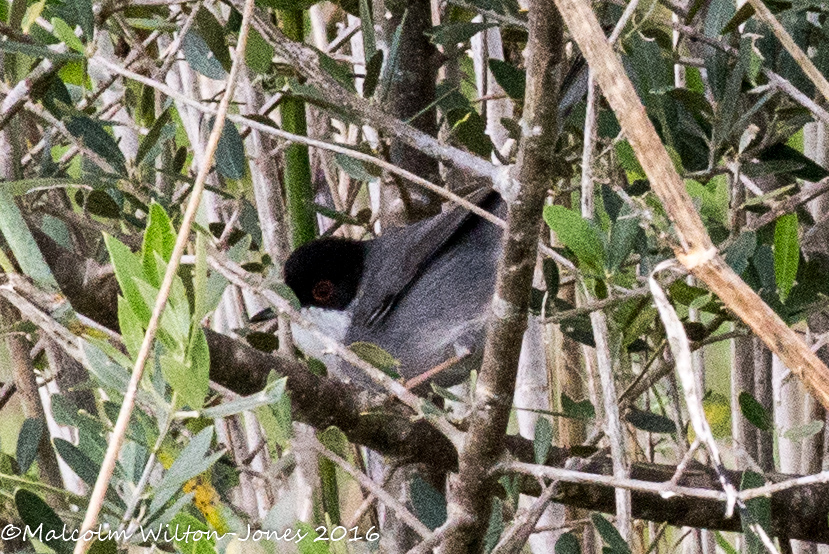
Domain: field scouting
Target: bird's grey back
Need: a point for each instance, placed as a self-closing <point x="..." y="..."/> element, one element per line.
<point x="459" y="272"/>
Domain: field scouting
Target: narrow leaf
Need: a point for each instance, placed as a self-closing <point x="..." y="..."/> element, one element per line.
<point x="511" y="79"/>
<point x="754" y="412"/>
<point x="786" y="253"/>
<point x="230" y="154"/>
<point x="34" y="511"/>
<point x="543" y="439"/>
<point x="27" y="442"/>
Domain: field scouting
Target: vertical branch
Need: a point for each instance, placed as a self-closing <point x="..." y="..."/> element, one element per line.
<point x="24" y="379"/>
<point x="604" y="362"/>
<point x="298" y="189"/>
<point x="412" y="90"/>
<point x="469" y="501"/>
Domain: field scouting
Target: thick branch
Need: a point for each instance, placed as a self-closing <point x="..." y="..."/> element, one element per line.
<point x="471" y="491"/>
<point x="797" y="513"/>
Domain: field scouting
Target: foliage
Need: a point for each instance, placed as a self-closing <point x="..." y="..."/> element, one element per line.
<point x="103" y="163"/>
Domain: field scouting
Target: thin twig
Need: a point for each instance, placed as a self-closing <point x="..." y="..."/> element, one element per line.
<point x="683" y="464"/>
<point x="241" y="278"/>
<point x="375" y="489"/>
<point x="580" y="477"/>
<point x="681" y="350"/>
<point x="768" y="490"/>
<point x="416" y="179"/>
<point x="121" y="424"/>
<point x="764" y="14"/>
<point x="613" y="422"/>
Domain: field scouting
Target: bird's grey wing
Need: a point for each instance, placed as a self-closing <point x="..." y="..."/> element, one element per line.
<point x="401" y="255"/>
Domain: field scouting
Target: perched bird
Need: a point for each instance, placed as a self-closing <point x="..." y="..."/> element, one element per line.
<point x="421" y="293"/>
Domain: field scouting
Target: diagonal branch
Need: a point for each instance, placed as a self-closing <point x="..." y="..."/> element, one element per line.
<point x="694" y="249"/>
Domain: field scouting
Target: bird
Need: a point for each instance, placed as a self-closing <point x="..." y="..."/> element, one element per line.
<point x="420" y="292"/>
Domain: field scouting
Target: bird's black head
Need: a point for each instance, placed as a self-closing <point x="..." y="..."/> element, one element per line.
<point x="326" y="272"/>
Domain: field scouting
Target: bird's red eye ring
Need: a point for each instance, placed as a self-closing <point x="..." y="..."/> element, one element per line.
<point x="323" y="291"/>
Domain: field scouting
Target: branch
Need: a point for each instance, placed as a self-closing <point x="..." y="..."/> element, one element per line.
<point x="798" y="513"/>
<point x="694" y="249"/>
<point x="469" y="492"/>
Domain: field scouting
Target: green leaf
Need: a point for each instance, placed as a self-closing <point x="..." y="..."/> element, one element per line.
<point x="128" y="265"/>
<point x="724" y="544"/>
<point x="266" y="342"/>
<point x="339" y="71"/>
<point x="310" y="545"/>
<point x="27" y="442"/>
<point x="93" y="135"/>
<point x="149" y="141"/>
<point x="355" y="169"/>
<point x="757" y="511"/>
<point x="623" y="235"/>
<point x="159" y="238"/>
<point x="377" y="357"/>
<point x="34" y="511"/>
<point x="579" y="329"/>
<point x="610" y="535"/>
<point x="178" y="375"/>
<point x="287" y="4"/>
<point x="454" y="33"/>
<point x="786" y="253"/>
<point x="271" y="394"/>
<point x="64" y="33"/>
<point x="199" y="361"/>
<point x="649" y="421"/>
<point x="213" y="34"/>
<point x="192" y="461"/>
<point x="577" y="410"/>
<point x="188" y="540"/>
<point x="373" y="68"/>
<point x="742" y="15"/>
<point x="101" y="204"/>
<point x="542" y="440"/>
<point x="22" y="244"/>
<point x="230" y="153"/>
<point x="629" y="162"/>
<point x="37" y="51"/>
<point x="577" y="235"/>
<point x="804" y="431"/>
<point x="288" y="294"/>
<point x="446" y="393"/>
<point x="259" y="54"/>
<point x="511" y="79"/>
<point x="568" y="544"/>
<point x="77" y="461"/>
<point x="754" y="412"/>
<point x="79" y="12"/>
<point x="740" y="251"/>
<point x="469" y="129"/>
<point x="367" y="29"/>
<point x="390" y="69"/>
<point x="132" y="332"/>
<point x="200" y="57"/>
<point x="428" y="504"/>
<point x="495" y="526"/>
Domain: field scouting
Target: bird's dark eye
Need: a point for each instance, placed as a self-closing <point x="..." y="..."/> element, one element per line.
<point x="323" y="291"/>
